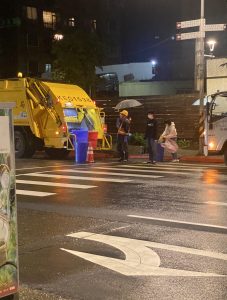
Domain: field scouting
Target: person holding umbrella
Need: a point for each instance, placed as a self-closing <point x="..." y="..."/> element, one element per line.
<point x="151" y="133"/>
<point x="123" y="126"/>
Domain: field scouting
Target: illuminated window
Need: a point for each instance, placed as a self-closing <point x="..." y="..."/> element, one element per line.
<point x="48" y="68"/>
<point x="31" y="13"/>
<point x="49" y="19"/>
<point x="71" y="22"/>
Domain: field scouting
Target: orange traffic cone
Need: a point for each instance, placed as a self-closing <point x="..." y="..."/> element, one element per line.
<point x="90" y="154"/>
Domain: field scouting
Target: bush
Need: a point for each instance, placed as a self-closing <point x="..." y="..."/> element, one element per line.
<point x="137" y="139"/>
<point x="184" y="144"/>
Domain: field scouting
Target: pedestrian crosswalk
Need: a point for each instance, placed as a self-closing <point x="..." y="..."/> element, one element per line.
<point x="50" y="182"/>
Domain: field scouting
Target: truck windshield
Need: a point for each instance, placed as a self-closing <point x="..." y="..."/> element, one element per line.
<point x="70" y="112"/>
<point x="220" y="107"/>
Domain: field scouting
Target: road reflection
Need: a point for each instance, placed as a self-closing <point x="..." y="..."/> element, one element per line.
<point x="210" y="176"/>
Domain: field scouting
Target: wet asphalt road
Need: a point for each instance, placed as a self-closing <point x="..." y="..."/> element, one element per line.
<point x="113" y="231"/>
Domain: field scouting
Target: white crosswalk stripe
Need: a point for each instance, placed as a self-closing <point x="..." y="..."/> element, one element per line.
<point x="33" y="193"/>
<point x="78" y="177"/>
<point x="109" y="173"/>
<point x="56" y="184"/>
<point x="146" y="170"/>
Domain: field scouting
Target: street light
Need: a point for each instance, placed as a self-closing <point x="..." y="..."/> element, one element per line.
<point x="58" y="37"/>
<point x="211" y="44"/>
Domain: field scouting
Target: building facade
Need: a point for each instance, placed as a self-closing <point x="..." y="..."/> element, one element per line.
<point x="28" y="29"/>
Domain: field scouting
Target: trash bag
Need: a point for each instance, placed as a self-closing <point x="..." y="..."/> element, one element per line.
<point x="170" y="145"/>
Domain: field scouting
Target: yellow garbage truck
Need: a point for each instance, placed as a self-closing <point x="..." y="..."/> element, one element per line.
<point x="47" y="114"/>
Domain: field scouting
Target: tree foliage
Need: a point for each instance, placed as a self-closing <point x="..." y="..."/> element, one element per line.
<point x="76" y="57"/>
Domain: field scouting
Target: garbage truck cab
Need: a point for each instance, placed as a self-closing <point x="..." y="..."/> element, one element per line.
<point x="216" y="124"/>
<point x="46" y="114"/>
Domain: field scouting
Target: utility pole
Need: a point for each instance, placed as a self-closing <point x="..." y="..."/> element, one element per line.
<point x="199" y="36"/>
<point x="201" y="71"/>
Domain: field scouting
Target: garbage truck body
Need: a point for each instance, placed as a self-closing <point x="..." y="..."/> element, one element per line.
<point x="47" y="113"/>
<point x="216" y="124"/>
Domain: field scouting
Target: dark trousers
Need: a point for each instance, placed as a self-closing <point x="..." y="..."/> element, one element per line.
<point x="152" y="149"/>
<point x="122" y="146"/>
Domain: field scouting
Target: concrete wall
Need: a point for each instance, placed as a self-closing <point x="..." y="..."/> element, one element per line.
<point x="128" y="89"/>
<point x="139" y="71"/>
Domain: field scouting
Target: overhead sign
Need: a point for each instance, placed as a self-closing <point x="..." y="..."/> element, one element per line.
<point x="190" y="35"/>
<point x="190" y="23"/>
<point x="140" y="258"/>
<point x="215" y="27"/>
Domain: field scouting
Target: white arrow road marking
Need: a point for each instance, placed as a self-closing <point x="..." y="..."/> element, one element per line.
<point x="57" y="184"/>
<point x="77" y="177"/>
<point x="109" y="173"/>
<point x="139" y="259"/>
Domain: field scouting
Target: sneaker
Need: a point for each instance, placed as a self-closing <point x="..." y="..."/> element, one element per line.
<point x="125" y="160"/>
<point x="175" y="160"/>
<point x="148" y="162"/>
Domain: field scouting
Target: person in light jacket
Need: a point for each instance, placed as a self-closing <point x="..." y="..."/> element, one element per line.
<point x="170" y="133"/>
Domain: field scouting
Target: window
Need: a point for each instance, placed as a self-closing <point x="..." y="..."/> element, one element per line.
<point x="48" y="68"/>
<point x="49" y="19"/>
<point x="71" y="22"/>
<point x="31" y="13"/>
<point x="220" y="107"/>
<point x="93" y="24"/>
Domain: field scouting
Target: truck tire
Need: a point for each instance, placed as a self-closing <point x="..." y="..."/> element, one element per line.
<point x="20" y="144"/>
<point x="225" y="156"/>
<point x="54" y="153"/>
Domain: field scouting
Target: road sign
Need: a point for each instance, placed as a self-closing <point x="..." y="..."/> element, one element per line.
<point x="215" y="27"/>
<point x="190" y="35"/>
<point x="140" y="258"/>
<point x="190" y="23"/>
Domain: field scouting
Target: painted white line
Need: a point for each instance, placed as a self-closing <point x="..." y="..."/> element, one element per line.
<point x="178" y="222"/>
<point x="33" y="193"/>
<point x="54" y="166"/>
<point x="140" y="258"/>
<point x="216" y="203"/>
<point x="63" y="185"/>
<point x="77" y="177"/>
<point x="163" y="167"/>
<point x="108" y="173"/>
<point x="143" y="170"/>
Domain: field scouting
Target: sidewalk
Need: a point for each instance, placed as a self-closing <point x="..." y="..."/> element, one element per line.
<point x="187" y="156"/>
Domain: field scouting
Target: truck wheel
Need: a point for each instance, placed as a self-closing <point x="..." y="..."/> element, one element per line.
<point x="54" y="153"/>
<point x="20" y="144"/>
<point x="225" y="156"/>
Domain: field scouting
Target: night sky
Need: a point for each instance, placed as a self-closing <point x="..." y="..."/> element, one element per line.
<point x="150" y="25"/>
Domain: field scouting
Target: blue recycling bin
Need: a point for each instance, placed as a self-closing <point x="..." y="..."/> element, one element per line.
<point x="81" y="152"/>
<point x="160" y="152"/>
<point x="81" y="145"/>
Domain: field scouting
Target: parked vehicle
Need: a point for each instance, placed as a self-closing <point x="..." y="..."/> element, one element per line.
<point x="47" y="113"/>
<point x="216" y="125"/>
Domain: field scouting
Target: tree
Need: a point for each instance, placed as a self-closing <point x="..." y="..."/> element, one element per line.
<point x="76" y="57"/>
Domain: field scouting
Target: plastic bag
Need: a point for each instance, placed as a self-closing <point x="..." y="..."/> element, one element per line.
<point x="170" y="145"/>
